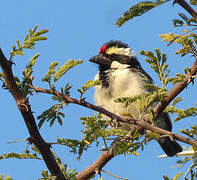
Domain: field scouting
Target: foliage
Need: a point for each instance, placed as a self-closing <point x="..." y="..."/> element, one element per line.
<point x="27" y="81"/>
<point x="6" y="178"/>
<point x="187" y="41"/>
<point x="64" y="68"/>
<point x="51" y="115"/>
<point x="87" y="85"/>
<point x="144" y="101"/>
<point x="77" y="147"/>
<point x="183" y="21"/>
<point x="182" y="113"/>
<point x="176" y="177"/>
<point x="123" y="141"/>
<point x="158" y="64"/>
<point x="19" y="156"/>
<point x="29" y="42"/>
<point x="138" y="10"/>
<point x="51" y="71"/>
<point x="60" y="71"/>
<point x="192" y="133"/>
<point x="94" y="128"/>
<point x="128" y="144"/>
<point x="64" y="168"/>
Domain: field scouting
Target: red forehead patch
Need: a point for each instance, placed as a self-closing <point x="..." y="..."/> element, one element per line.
<point x="102" y="49"/>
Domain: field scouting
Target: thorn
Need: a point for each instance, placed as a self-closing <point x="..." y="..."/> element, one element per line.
<point x="27" y="147"/>
<point x="97" y="171"/>
<point x="21" y="140"/>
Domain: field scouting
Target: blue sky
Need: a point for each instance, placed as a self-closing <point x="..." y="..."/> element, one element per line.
<point x="77" y="29"/>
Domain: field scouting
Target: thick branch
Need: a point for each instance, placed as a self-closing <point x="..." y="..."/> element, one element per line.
<point x="25" y="109"/>
<point x="96" y="167"/>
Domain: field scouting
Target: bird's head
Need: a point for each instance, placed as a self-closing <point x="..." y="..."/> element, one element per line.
<point x="115" y="51"/>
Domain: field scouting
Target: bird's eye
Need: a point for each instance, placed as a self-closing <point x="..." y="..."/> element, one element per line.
<point x="102" y="49"/>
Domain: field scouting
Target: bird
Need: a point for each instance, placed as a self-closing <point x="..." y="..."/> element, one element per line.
<point x="121" y="75"/>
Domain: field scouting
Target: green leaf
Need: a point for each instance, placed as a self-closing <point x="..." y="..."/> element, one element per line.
<point x="179" y="78"/>
<point x="87" y="85"/>
<point x="64" y="68"/>
<point x="34" y="29"/>
<point x="19" y="156"/>
<point x="176" y="100"/>
<point x="43" y="31"/>
<point x="6" y="178"/>
<point x="182" y="113"/>
<point x="177" y="22"/>
<point x="143" y="102"/>
<point x="51" y="71"/>
<point x="18" y="44"/>
<point x="166" y="178"/>
<point x="158" y="64"/>
<point x="18" y="52"/>
<point x="75" y="145"/>
<point x="190" y="132"/>
<point x="50" y="115"/>
<point x="193" y="2"/>
<point x="94" y="128"/>
<point x="177" y="176"/>
<point x="69" y="174"/>
<point x="29" y="42"/>
<point x="185" y="40"/>
<point x="38" y="38"/>
<point x="27" y="81"/>
<point x="137" y="10"/>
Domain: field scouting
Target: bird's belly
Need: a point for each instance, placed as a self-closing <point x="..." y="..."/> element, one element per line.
<point x="122" y="84"/>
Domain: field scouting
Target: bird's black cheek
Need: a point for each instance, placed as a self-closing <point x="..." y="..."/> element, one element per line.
<point x="120" y="58"/>
<point x="103" y="77"/>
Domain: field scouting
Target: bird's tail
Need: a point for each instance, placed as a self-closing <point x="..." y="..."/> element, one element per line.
<point x="170" y="147"/>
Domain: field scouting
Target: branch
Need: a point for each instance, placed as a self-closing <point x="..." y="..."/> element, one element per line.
<point x="142" y="123"/>
<point x="106" y="156"/>
<point x="187" y="7"/>
<point x="179" y="87"/>
<point x="96" y="167"/>
<point x="25" y="109"/>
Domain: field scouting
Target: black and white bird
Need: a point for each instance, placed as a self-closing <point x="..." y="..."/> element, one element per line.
<point x="121" y="75"/>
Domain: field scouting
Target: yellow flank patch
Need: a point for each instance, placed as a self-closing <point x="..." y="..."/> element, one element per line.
<point x="114" y="50"/>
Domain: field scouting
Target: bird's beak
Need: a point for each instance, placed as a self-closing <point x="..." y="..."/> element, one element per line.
<point x="102" y="60"/>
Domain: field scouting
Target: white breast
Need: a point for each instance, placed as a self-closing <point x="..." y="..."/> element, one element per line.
<point x="123" y="83"/>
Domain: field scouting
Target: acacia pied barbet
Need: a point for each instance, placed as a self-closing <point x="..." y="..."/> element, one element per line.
<point x="121" y="75"/>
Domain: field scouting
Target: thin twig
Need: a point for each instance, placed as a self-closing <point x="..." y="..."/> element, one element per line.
<point x="21" y="140"/>
<point x="113" y="175"/>
<point x="106" y="147"/>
